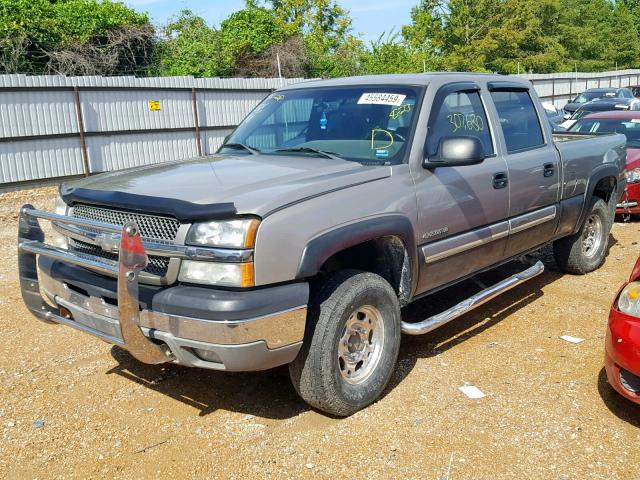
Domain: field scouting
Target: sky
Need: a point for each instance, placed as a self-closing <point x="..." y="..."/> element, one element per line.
<point x="371" y="18"/>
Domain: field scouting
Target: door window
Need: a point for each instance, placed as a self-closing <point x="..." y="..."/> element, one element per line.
<point x="519" y="120"/>
<point x="461" y="114"/>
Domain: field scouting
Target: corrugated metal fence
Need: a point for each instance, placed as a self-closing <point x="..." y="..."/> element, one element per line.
<point x="55" y="126"/>
<point x="559" y="88"/>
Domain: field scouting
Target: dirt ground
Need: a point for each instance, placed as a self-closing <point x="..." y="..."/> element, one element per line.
<point x="548" y="411"/>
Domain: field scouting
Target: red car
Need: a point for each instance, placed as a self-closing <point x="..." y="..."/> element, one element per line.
<point x="627" y="123"/>
<point x="622" y="344"/>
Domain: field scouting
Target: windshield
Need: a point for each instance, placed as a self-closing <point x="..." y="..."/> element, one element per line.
<point x="362" y="124"/>
<point x="585" y="97"/>
<point x="630" y="128"/>
<point x="581" y="112"/>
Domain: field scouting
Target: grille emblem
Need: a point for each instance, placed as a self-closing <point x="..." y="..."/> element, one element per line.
<point x="108" y="242"/>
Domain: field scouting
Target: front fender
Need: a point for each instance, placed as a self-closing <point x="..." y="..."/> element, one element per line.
<point x="324" y="246"/>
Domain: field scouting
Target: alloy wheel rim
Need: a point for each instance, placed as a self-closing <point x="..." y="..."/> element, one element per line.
<point x="360" y="345"/>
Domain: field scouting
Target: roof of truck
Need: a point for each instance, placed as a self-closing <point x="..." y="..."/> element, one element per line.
<point x="405" y="79"/>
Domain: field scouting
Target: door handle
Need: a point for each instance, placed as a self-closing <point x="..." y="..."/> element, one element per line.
<point x="500" y="180"/>
<point x="549" y="170"/>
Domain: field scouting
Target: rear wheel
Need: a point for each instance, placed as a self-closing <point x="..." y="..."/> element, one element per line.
<point x="585" y="251"/>
<point x="351" y="344"/>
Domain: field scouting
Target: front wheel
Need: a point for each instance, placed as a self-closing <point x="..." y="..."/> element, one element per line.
<point x="351" y="344"/>
<point x="585" y="251"/>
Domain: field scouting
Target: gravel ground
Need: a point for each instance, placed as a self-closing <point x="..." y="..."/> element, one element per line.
<point x="548" y="411"/>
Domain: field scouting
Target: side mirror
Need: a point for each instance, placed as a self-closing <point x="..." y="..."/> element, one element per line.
<point x="456" y="152"/>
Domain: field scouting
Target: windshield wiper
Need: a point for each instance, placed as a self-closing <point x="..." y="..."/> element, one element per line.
<point x="239" y="146"/>
<point x="321" y="153"/>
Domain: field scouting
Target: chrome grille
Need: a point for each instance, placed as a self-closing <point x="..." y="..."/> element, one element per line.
<point x="156" y="266"/>
<point x="151" y="227"/>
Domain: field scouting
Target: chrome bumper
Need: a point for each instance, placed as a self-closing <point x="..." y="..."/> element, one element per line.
<point x="151" y="337"/>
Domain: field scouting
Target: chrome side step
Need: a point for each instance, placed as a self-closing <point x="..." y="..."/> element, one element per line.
<point x="480" y="298"/>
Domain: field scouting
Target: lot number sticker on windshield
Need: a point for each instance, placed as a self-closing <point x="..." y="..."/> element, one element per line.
<point x="392" y="99"/>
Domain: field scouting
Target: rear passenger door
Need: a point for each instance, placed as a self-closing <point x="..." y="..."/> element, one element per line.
<point x="533" y="168"/>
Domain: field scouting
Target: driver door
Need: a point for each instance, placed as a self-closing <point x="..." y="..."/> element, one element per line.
<point x="462" y="211"/>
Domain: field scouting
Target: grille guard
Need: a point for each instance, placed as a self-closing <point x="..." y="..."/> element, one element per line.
<point x="132" y="259"/>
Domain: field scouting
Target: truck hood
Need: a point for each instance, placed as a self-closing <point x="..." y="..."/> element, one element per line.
<point x="238" y="184"/>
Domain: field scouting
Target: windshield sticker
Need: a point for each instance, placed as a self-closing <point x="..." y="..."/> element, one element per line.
<point x="382" y="153"/>
<point x="392" y="99"/>
<point x="400" y="111"/>
<point x="376" y="133"/>
<point x="278" y="98"/>
<point x="469" y="122"/>
<point x="635" y="120"/>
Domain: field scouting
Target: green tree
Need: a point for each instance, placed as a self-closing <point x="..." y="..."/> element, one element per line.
<point x="389" y="54"/>
<point x="190" y="47"/>
<point x="103" y="36"/>
<point x="466" y="25"/>
<point x="526" y="38"/>
<point x="425" y="34"/>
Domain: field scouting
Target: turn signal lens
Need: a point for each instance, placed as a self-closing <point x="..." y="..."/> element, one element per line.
<point x="629" y="301"/>
<point x="222" y="274"/>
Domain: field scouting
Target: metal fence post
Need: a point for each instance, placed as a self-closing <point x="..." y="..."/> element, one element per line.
<point x="83" y="142"/>
<point x="197" y="121"/>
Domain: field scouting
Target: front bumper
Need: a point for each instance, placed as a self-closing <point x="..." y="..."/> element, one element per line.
<point x="201" y="327"/>
<point x="630" y="202"/>
<point x="622" y="354"/>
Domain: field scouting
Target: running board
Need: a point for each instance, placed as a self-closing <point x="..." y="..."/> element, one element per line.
<point x="473" y="302"/>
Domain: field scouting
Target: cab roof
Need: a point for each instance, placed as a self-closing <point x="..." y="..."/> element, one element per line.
<point x="421" y="79"/>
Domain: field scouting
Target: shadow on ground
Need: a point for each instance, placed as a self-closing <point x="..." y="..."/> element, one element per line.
<point x="271" y="395"/>
<point x="618" y="405"/>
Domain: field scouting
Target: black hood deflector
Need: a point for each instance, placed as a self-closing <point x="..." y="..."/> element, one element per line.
<point x="179" y="209"/>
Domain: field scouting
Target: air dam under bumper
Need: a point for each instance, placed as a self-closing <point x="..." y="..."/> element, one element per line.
<point x="200" y="327"/>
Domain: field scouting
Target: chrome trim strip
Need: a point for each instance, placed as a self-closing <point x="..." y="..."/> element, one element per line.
<point x="532" y="219"/>
<point x="166" y="249"/>
<point x="54" y="217"/>
<point x="70" y="226"/>
<point x="39" y="248"/>
<point x="434" y="252"/>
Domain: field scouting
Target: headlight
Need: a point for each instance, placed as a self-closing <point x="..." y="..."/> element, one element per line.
<point x="58" y="239"/>
<point x="629" y="301"/>
<point x="223" y="274"/>
<point x="229" y="233"/>
<point x="633" y="175"/>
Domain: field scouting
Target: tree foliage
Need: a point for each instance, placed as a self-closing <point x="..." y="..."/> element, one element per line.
<point x="315" y="38"/>
<point x="87" y="36"/>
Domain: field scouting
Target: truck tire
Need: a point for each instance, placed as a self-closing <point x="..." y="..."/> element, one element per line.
<point x="585" y="251"/>
<point x="351" y="343"/>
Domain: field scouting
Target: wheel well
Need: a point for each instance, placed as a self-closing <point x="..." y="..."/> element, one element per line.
<point x="605" y="188"/>
<point x="384" y="256"/>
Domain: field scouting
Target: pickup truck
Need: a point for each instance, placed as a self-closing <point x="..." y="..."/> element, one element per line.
<point x="330" y="208"/>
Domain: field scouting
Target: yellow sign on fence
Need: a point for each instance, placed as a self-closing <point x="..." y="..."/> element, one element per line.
<point x="154" y="105"/>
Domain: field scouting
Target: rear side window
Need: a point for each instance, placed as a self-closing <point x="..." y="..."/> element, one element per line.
<point x="461" y="114"/>
<point x="519" y="120"/>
